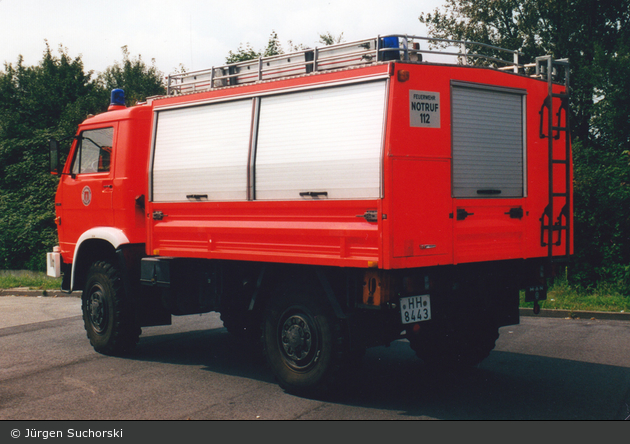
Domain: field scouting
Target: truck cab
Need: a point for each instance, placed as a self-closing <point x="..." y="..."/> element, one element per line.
<point x="102" y="189"/>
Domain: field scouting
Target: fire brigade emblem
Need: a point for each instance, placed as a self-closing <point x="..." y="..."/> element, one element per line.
<point x="86" y="195"/>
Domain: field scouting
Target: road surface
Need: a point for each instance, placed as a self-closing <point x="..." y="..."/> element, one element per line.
<point x="544" y="368"/>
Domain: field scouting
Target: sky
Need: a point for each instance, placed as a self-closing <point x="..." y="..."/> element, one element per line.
<point x="196" y="34"/>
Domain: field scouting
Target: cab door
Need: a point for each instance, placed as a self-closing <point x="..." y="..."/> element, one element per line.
<point x="86" y="201"/>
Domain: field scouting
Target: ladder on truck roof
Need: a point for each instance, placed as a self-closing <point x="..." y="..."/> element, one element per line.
<point x="344" y="55"/>
<point x="547" y="67"/>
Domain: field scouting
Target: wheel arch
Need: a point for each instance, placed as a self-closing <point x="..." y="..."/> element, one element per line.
<point x="95" y="244"/>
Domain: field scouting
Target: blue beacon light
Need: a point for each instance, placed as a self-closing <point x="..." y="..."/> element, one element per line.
<point x="117" y="98"/>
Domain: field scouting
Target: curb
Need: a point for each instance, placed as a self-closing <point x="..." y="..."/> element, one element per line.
<point x="24" y="292"/>
<point x="576" y="314"/>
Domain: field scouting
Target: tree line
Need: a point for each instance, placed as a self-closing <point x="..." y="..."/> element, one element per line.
<point x="49" y="100"/>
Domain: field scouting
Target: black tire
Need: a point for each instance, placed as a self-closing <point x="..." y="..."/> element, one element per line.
<point x="303" y="341"/>
<point x="454" y="350"/>
<point x="108" y="314"/>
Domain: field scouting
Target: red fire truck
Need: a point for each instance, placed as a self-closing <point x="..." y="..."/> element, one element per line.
<point x="326" y="201"/>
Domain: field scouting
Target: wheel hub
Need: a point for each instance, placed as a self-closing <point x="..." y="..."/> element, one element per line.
<point x="97" y="310"/>
<point x="296" y="337"/>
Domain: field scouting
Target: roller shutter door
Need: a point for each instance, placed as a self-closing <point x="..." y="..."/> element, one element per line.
<point x="325" y="143"/>
<point x="201" y="153"/>
<point x="488" y="142"/>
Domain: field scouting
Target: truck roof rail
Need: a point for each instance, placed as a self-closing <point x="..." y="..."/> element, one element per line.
<point x="345" y="55"/>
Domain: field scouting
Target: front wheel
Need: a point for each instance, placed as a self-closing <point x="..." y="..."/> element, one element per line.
<point x="303" y="341"/>
<point x="108" y="314"/>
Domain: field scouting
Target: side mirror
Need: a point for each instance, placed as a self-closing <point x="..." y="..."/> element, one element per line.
<point x="54" y="157"/>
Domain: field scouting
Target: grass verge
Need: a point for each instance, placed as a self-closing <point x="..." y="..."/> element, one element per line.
<point x="28" y="279"/>
<point x="562" y="296"/>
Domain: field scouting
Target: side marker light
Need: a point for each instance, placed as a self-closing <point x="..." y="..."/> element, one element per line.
<point x="403" y="75"/>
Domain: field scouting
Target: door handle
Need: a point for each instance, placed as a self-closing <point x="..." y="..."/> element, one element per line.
<point x="463" y="214"/>
<point x="314" y="194"/>
<point x="158" y="215"/>
<point x="369" y="215"/>
<point x="515" y="213"/>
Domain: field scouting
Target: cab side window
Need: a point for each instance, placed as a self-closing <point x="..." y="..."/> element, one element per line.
<point x="94" y="151"/>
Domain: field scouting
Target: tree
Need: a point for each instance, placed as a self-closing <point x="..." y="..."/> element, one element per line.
<point x="242" y="54"/>
<point x="274" y="47"/>
<point x="329" y="39"/>
<point x="36" y="104"/>
<point x="595" y="36"/>
<point x="138" y="79"/>
<point x="585" y="31"/>
<point x="247" y="52"/>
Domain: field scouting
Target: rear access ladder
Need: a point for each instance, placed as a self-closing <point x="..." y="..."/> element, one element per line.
<point x="547" y="68"/>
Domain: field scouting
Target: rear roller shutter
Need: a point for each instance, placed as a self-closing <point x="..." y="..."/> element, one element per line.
<point x="488" y="142"/>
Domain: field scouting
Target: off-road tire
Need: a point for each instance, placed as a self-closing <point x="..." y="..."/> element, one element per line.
<point x="303" y="341"/>
<point x="108" y="314"/>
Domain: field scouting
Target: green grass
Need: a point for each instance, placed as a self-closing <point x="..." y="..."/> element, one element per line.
<point x="30" y="280"/>
<point x="562" y="296"/>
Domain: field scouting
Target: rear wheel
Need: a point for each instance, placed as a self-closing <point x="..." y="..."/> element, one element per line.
<point x="303" y="341"/>
<point x="108" y="314"/>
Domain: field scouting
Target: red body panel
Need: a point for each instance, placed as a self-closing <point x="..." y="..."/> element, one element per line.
<point x="416" y="226"/>
<point x="418" y="198"/>
<point x="318" y="233"/>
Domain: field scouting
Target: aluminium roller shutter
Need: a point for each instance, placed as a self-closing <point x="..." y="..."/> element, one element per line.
<point x="202" y="151"/>
<point x="488" y="141"/>
<point x="321" y="141"/>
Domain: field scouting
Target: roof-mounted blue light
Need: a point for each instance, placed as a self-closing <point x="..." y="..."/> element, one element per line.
<point x="388" y="44"/>
<point x="118" y="98"/>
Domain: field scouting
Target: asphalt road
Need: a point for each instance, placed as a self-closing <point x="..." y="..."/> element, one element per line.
<point x="545" y="368"/>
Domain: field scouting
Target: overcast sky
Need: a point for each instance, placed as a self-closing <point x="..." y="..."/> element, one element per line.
<point x="197" y="34"/>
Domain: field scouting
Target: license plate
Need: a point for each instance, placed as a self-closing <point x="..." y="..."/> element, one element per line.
<point x="415" y="309"/>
